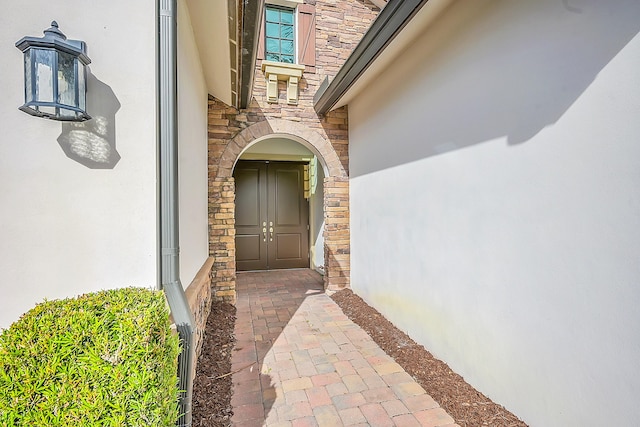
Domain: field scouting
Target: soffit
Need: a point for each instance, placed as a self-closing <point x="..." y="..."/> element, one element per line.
<point x="211" y="29"/>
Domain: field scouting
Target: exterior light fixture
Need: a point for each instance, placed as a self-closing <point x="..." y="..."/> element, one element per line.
<point x="55" y="76"/>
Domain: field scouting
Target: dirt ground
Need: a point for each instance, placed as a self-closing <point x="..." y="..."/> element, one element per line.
<point x="212" y="385"/>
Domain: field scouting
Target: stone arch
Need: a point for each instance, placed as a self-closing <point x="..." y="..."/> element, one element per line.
<point x="222" y="202"/>
<point x="278" y="127"/>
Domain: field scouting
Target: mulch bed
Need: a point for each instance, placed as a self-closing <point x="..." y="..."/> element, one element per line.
<point x="212" y="385"/>
<point x="467" y="406"/>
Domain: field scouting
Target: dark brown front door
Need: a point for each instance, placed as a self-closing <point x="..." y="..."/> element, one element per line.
<point x="272" y="216"/>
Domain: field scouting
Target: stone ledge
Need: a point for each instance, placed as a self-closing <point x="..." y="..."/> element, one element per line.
<point x="198" y="295"/>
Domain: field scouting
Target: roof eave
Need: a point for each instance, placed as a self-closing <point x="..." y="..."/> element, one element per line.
<point x="391" y="20"/>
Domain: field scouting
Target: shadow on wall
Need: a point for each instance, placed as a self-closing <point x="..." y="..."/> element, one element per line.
<point x="93" y="143"/>
<point x="493" y="68"/>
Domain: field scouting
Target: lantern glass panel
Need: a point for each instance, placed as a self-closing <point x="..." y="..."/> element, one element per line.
<point x="28" y="81"/>
<point x="44" y="74"/>
<point x="82" y="86"/>
<point x="66" y="79"/>
<point x="49" y="111"/>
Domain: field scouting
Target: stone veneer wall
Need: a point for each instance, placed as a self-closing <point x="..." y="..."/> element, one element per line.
<point x="222" y="232"/>
<point x="340" y="24"/>
<point x="199" y="296"/>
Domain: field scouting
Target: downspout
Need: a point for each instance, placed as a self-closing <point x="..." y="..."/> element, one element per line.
<point x="168" y="193"/>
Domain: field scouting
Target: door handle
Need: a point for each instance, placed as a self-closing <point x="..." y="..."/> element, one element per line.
<point x="271" y="234"/>
<point x="264" y="233"/>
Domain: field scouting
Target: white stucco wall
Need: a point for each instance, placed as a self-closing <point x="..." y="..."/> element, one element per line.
<point x="73" y="225"/>
<point x="192" y="137"/>
<point x="495" y="209"/>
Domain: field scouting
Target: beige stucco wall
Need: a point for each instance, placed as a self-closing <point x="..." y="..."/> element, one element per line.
<point x="495" y="212"/>
<point x="192" y="140"/>
<point x="89" y="223"/>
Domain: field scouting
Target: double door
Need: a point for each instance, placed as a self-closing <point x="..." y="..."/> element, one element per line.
<point x="272" y="216"/>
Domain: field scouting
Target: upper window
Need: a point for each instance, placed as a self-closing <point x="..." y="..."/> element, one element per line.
<point x="280" y="35"/>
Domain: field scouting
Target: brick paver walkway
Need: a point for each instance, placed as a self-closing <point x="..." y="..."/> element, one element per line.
<point x="301" y="362"/>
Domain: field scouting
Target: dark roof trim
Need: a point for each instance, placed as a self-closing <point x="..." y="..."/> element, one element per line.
<point x="390" y="21"/>
<point x="251" y="20"/>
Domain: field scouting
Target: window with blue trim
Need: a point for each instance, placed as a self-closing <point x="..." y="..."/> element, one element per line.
<point x="279" y="35"/>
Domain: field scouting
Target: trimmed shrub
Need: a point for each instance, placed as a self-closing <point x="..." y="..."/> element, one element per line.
<point x="103" y="359"/>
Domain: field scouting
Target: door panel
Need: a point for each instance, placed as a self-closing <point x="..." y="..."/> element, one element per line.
<point x="290" y="212"/>
<point x="251" y="207"/>
<point x="288" y="246"/>
<point x="287" y="203"/>
<point x="249" y="247"/>
<point x="248" y="184"/>
<point x="272" y="216"/>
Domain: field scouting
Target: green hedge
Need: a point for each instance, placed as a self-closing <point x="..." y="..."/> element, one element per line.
<point x="102" y="359"/>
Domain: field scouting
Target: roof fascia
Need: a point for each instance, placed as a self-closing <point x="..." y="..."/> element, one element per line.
<point x="391" y="20"/>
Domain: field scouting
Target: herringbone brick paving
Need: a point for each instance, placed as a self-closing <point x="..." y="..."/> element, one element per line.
<point x="299" y="361"/>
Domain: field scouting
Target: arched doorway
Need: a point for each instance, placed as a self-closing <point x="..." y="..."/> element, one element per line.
<point x="335" y="203"/>
<point x="279" y="206"/>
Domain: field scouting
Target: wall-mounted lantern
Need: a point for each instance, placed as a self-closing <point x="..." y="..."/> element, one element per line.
<point x="55" y="79"/>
